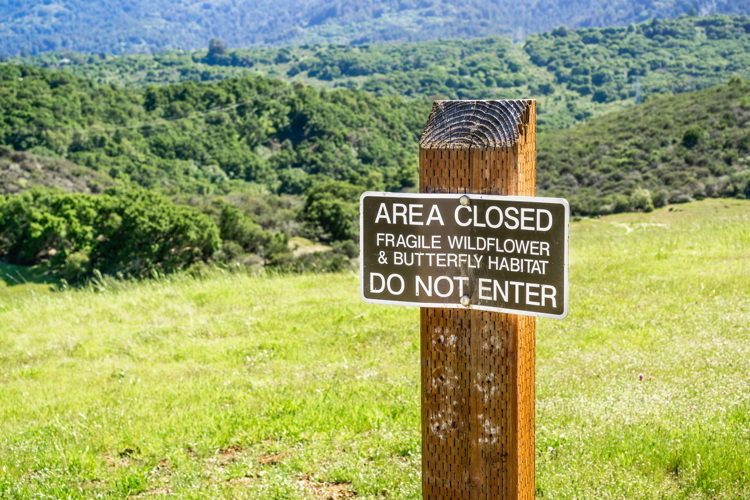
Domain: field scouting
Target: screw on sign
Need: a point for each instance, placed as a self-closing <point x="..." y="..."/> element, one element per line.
<point x="482" y="256"/>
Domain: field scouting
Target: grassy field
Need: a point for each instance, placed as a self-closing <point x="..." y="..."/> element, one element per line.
<point x="290" y="387"/>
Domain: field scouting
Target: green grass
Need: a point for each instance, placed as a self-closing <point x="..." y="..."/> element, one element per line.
<point x="240" y="387"/>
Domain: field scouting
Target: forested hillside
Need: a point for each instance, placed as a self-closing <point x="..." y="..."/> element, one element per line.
<point x="667" y="150"/>
<point x="199" y="137"/>
<point x="261" y="134"/>
<point x="267" y="162"/>
<point x="574" y="74"/>
<point x="33" y="26"/>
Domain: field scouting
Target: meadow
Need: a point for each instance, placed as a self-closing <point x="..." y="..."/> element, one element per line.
<point x="289" y="387"/>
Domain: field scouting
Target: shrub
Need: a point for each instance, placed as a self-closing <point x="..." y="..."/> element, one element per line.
<point x="602" y="96"/>
<point x="75" y="267"/>
<point x="640" y="199"/>
<point x="293" y="181"/>
<point x="692" y="136"/>
<point x="741" y="182"/>
<point x="331" y="211"/>
<point x="621" y="203"/>
<point x="600" y="78"/>
<point x="234" y="226"/>
<point x="660" y="198"/>
<point x="680" y="197"/>
<point x="128" y="231"/>
<point x="230" y="250"/>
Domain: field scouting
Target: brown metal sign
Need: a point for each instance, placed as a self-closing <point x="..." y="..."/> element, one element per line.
<point x="495" y="253"/>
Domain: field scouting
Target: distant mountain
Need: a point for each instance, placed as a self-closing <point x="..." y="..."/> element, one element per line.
<point x="115" y="26"/>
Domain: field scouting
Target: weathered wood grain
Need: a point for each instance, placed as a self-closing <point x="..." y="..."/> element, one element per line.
<point x="475" y="124"/>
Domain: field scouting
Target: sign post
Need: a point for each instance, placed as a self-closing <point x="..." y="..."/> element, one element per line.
<point x="486" y="449"/>
<point x="482" y="257"/>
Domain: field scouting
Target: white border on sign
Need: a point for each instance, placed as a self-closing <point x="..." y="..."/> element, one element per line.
<point x="533" y="199"/>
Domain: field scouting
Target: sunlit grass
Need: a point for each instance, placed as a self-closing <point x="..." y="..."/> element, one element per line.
<point x="284" y="387"/>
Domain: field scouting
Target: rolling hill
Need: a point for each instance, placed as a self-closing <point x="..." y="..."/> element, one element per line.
<point x="34" y="26"/>
<point x="267" y="162"/>
<point x="682" y="147"/>
<point x="255" y="132"/>
<point x="574" y="74"/>
<point x="193" y="138"/>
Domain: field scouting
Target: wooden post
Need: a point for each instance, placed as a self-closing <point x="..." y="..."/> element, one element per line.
<point x="478" y="368"/>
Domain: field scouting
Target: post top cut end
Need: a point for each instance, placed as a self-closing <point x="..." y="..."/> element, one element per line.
<point x="475" y="124"/>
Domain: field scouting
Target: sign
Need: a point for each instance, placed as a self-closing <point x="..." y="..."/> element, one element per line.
<point x="494" y="253"/>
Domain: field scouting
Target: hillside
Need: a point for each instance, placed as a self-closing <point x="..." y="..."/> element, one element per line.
<point x="261" y="134"/>
<point x="258" y="162"/>
<point x="34" y="26"/>
<point x="573" y="74"/>
<point x="20" y="170"/>
<point x="682" y="147"/>
<point x="199" y="137"/>
<point x="292" y="388"/>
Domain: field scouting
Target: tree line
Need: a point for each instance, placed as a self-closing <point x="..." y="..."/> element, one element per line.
<point x="574" y="74"/>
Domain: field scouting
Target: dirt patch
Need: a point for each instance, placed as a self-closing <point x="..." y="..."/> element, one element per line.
<point x="228" y="455"/>
<point x="271" y="459"/>
<point x="328" y="491"/>
<point x="242" y="480"/>
<point x="301" y="246"/>
<point x="123" y="458"/>
<point x="223" y="458"/>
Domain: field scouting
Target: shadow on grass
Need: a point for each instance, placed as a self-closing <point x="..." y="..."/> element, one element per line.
<point x="12" y="275"/>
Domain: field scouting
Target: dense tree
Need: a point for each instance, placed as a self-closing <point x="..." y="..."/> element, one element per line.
<point x="331" y="211"/>
<point x="223" y="148"/>
<point x="128" y="231"/>
<point x="586" y="72"/>
<point x="200" y="138"/>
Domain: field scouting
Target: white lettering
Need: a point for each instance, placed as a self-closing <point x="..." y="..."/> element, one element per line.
<point x="372" y="283"/>
<point x="514" y="218"/>
<point x="525" y="217"/>
<point x="435" y="215"/>
<point x="551" y="295"/>
<point x="382" y="214"/>
<point x="413" y="213"/>
<point x="499" y="217"/>
<point x="463" y="224"/>
<point x="399" y="211"/>
<point x="530" y="293"/>
<point x="390" y="288"/>
<point x="539" y="220"/>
